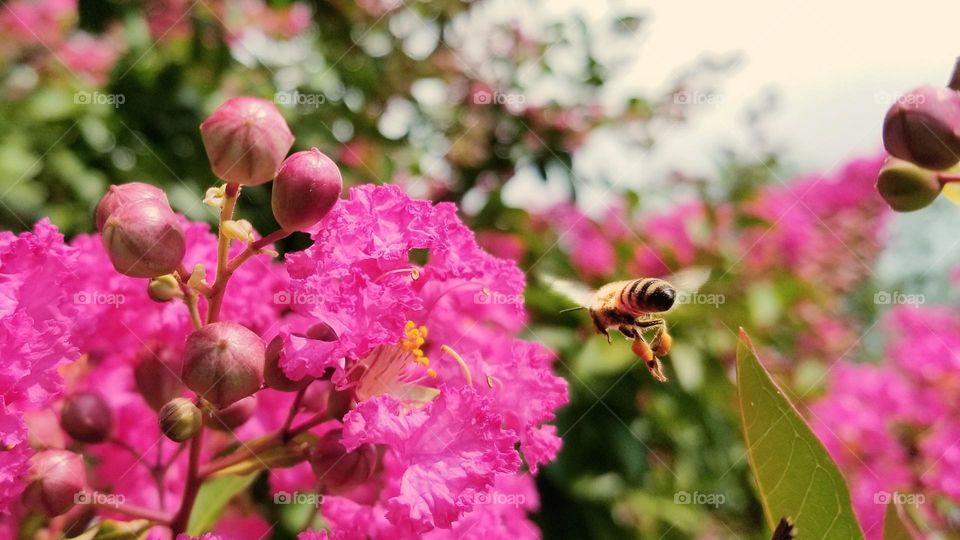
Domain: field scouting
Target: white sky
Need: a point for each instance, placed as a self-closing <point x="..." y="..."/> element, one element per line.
<point x="834" y="65"/>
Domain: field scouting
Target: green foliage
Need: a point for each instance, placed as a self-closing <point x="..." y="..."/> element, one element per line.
<point x="795" y="476"/>
<point x="213" y="497"/>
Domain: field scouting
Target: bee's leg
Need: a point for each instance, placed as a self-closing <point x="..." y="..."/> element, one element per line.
<point x="601" y="329"/>
<point x="662" y="341"/>
<point x="643" y="351"/>
<point x="629" y="331"/>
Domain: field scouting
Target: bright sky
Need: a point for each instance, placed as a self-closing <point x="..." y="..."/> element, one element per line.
<point x="835" y="66"/>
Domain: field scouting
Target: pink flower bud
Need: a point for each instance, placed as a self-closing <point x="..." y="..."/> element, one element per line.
<point x="119" y="195"/>
<point x="179" y="419"/>
<point x="223" y="363"/>
<point x="156" y="375"/>
<point x="87" y="417"/>
<point x="144" y="239"/>
<point x="306" y="188"/>
<point x="923" y="127"/>
<point x="273" y="374"/>
<point x="54" y="480"/>
<point x="234" y="416"/>
<point x="337" y="470"/>
<point x="246" y="138"/>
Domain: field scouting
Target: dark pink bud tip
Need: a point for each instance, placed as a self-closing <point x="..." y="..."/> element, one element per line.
<point x="246" y="138"/>
<point x="338" y="470"/>
<point x="273" y="374"/>
<point x="923" y="127"/>
<point x="55" y="480"/>
<point x="306" y="188"/>
<point x="87" y="417"/>
<point x="234" y="416"/>
<point x="119" y="195"/>
<point x="223" y="363"/>
<point x="144" y="239"/>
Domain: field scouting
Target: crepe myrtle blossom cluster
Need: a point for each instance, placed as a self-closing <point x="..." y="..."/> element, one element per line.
<point x="922" y="134"/>
<point x="892" y="426"/>
<point x="362" y="372"/>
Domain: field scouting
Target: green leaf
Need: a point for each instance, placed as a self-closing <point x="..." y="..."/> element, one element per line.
<point x="213" y="497"/>
<point x="795" y="476"/>
<point x="117" y="530"/>
<point x="893" y="527"/>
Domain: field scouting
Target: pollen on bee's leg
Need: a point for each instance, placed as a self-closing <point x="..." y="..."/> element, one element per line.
<point x="662" y="343"/>
<point x="642" y="350"/>
<point x="463" y="365"/>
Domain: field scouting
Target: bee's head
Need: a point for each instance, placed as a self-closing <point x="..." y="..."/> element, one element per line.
<point x="662" y="299"/>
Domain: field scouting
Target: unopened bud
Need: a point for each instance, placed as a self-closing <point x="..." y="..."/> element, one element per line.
<point x="246" y="138"/>
<point x="223" y="363"/>
<point x="339" y="403"/>
<point x="164" y="288"/>
<point x="156" y="375"/>
<point x="338" y="470"/>
<point x="306" y="188"/>
<point x="273" y="374"/>
<point x="923" y="127"/>
<point x="55" y="479"/>
<point x="87" y="417"/>
<point x="234" y="416"/>
<point x="907" y="187"/>
<point x="180" y="419"/>
<point x="119" y="195"/>
<point x="144" y="239"/>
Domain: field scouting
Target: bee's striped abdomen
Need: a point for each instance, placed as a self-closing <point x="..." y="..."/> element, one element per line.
<point x="647" y="295"/>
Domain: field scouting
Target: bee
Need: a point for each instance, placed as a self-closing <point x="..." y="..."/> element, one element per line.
<point x="634" y="307"/>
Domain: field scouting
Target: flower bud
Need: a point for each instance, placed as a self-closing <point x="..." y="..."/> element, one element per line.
<point x="119" y="195"/>
<point x="923" y="127"/>
<point x="223" y="363"/>
<point x="87" y="417"/>
<point x="273" y="374"/>
<point x="144" y="239"/>
<point x="907" y="187"/>
<point x="180" y="419"/>
<point x="246" y="138"/>
<point x="54" y="480"/>
<point x="337" y="470"/>
<point x="234" y="416"/>
<point x="306" y="188"/>
<point x="164" y="288"/>
<point x="156" y="375"/>
<point x="339" y="403"/>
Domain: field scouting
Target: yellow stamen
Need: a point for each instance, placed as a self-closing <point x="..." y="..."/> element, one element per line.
<point x="463" y="365"/>
<point x="432" y="373"/>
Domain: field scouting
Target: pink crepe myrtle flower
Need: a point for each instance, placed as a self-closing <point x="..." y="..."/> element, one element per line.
<point x="590" y="250"/>
<point x="424" y="323"/>
<point x="90" y="57"/>
<point x="36" y="317"/>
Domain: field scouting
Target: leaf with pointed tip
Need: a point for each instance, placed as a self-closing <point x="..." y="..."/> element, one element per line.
<point x="117" y="530"/>
<point x="215" y="494"/>
<point x="893" y="526"/>
<point x="795" y="476"/>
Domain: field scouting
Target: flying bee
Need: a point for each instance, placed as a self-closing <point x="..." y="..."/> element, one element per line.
<point x="634" y="307"/>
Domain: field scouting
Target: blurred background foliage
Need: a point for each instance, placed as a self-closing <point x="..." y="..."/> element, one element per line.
<point x="453" y="101"/>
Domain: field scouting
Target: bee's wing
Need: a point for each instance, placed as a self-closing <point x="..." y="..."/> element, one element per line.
<point x="577" y="292"/>
<point x="689" y="280"/>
